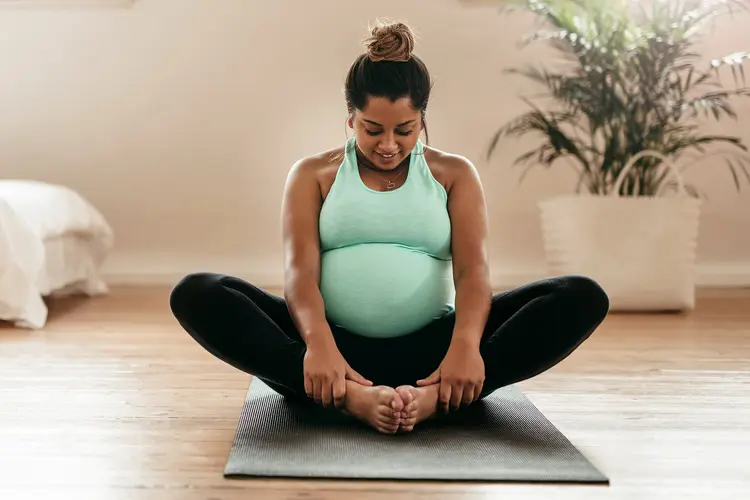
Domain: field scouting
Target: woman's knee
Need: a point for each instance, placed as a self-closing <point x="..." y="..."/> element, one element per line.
<point x="192" y="291"/>
<point x="588" y="295"/>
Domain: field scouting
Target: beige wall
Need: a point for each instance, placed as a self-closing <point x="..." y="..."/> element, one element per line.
<point x="195" y="109"/>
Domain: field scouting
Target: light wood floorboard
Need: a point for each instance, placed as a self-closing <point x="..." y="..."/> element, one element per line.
<point x="113" y="401"/>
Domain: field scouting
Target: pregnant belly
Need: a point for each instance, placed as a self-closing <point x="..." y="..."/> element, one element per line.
<point x="381" y="290"/>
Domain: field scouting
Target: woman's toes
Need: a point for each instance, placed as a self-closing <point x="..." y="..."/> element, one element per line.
<point x="411" y="407"/>
<point x="407" y="425"/>
<point x="397" y="404"/>
<point x="388" y="397"/>
<point x="388" y="426"/>
<point x="387" y="414"/>
<point x="405" y="392"/>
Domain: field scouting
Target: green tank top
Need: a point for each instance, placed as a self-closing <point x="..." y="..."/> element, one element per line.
<point x="386" y="266"/>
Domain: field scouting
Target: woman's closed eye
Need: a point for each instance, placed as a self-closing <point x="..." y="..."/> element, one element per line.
<point x="399" y="132"/>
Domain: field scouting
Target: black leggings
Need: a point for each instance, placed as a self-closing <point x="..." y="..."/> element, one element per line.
<point x="529" y="330"/>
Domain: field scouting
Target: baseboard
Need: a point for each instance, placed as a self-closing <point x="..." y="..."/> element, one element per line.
<point x="735" y="275"/>
<point x="262" y="279"/>
<point x="724" y="275"/>
<point x="730" y="275"/>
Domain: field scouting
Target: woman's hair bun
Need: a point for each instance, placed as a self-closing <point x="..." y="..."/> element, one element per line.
<point x="390" y="41"/>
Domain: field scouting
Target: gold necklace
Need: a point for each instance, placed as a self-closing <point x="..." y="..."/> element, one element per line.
<point x="390" y="184"/>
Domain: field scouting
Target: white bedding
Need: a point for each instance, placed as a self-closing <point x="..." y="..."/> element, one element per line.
<point x="52" y="241"/>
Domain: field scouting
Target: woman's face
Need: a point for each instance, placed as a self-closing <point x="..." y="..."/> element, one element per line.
<point x="386" y="132"/>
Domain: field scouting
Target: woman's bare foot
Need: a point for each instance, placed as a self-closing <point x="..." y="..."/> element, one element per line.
<point x="409" y="413"/>
<point x="420" y="404"/>
<point x="379" y="407"/>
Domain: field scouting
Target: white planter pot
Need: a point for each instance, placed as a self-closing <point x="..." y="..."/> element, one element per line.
<point x="641" y="250"/>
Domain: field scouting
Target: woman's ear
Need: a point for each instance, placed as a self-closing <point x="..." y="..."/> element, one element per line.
<point x="350" y="121"/>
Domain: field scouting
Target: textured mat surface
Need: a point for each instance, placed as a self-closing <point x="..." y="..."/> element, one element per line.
<point x="503" y="438"/>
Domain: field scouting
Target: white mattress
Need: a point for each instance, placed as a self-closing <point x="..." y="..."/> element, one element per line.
<point x="52" y="242"/>
<point x="72" y="266"/>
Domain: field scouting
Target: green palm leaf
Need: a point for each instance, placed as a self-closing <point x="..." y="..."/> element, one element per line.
<point x="631" y="81"/>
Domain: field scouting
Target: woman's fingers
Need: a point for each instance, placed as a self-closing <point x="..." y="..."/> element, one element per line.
<point x="457" y="394"/>
<point x="327" y="393"/>
<point x="318" y="390"/>
<point x="469" y="392"/>
<point x="434" y="378"/>
<point x="353" y="375"/>
<point x="477" y="392"/>
<point x="444" y="396"/>
<point x="339" y="392"/>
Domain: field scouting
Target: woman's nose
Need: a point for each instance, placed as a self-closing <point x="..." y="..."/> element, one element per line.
<point x="388" y="144"/>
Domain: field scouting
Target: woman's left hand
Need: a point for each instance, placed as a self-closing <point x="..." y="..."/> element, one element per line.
<point x="461" y="377"/>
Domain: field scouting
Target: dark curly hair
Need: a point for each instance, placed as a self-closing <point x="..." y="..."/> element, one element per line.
<point x="389" y="69"/>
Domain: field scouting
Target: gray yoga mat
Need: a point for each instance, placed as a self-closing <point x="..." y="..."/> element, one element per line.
<point x="502" y="438"/>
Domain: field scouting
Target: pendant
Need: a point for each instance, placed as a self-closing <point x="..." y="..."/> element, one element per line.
<point x="390" y="185"/>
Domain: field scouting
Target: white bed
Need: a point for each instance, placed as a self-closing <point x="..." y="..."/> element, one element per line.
<point x="52" y="242"/>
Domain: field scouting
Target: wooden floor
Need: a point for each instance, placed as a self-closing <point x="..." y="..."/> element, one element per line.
<point x="113" y="401"/>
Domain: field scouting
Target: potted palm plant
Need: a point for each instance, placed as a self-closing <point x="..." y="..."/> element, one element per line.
<point x="626" y="110"/>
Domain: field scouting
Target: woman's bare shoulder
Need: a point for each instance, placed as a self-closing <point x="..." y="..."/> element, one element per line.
<point x="319" y="163"/>
<point x="320" y="168"/>
<point x="447" y="167"/>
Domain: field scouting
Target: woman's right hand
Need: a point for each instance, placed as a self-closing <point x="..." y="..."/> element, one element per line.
<point x="326" y="372"/>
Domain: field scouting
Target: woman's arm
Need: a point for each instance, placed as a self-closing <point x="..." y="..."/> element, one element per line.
<point x="325" y="369"/>
<point x="461" y="373"/>
<point x="468" y="213"/>
<point x="300" y="210"/>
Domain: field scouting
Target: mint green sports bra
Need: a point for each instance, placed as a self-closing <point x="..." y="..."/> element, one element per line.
<point x="386" y="267"/>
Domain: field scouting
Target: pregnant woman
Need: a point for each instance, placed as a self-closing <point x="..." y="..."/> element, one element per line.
<point x="387" y="313"/>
